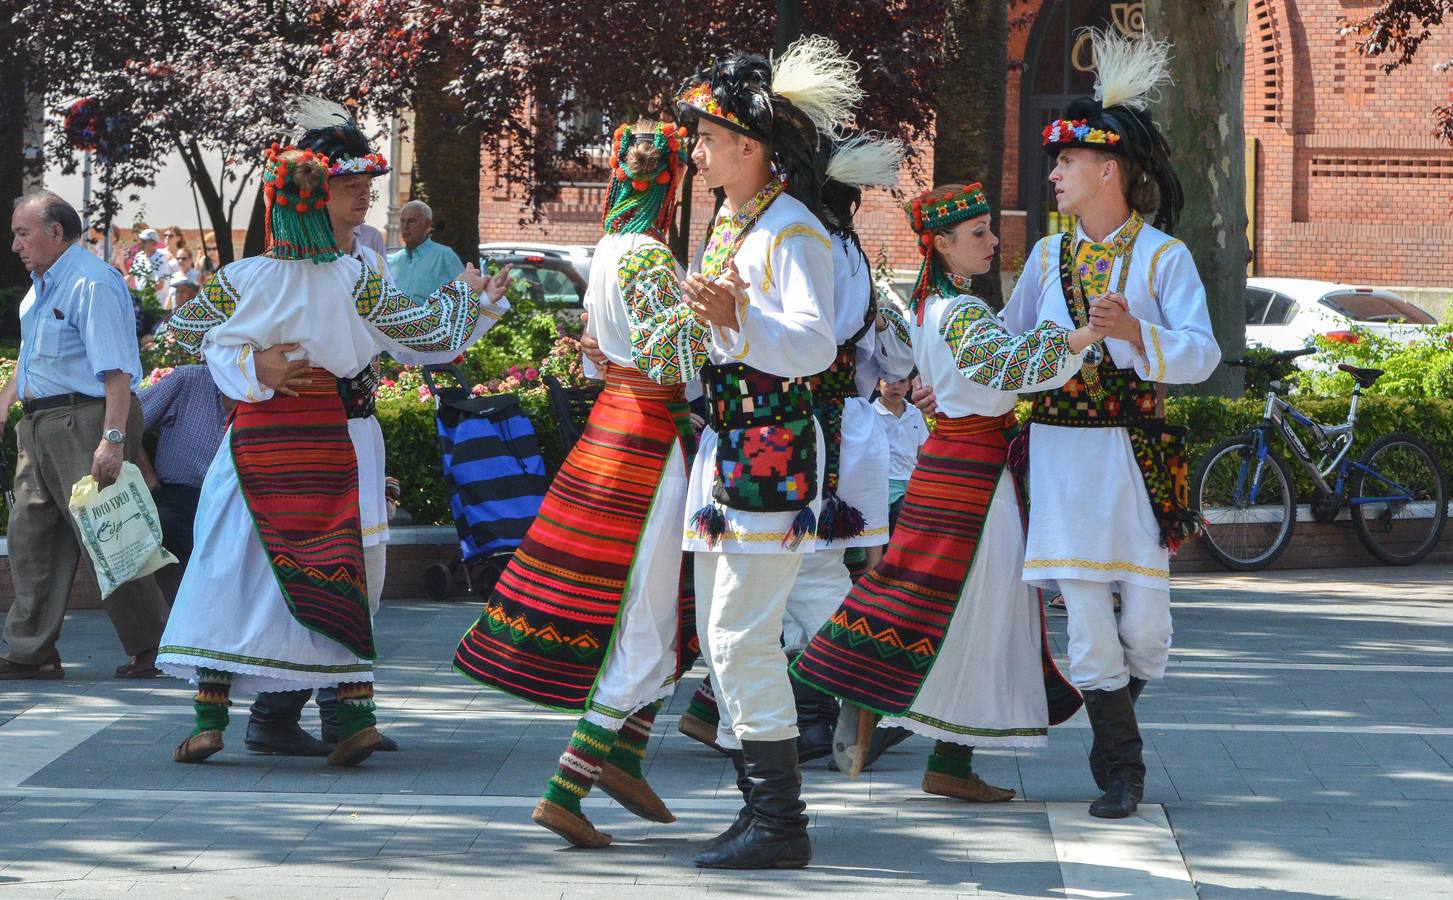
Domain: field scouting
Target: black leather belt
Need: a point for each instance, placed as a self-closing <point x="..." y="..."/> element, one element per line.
<point x="43" y="403"/>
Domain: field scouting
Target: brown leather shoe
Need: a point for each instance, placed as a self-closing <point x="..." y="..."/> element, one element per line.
<point x="973" y="789"/>
<point x="574" y="828"/>
<point x="198" y="747"/>
<point x="698" y="730"/>
<point x="633" y="793"/>
<point x="50" y="670"/>
<point x="356" y="748"/>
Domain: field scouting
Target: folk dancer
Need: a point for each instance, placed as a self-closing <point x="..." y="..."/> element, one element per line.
<point x="765" y="283"/>
<point x="276" y="594"/>
<point x="941" y="638"/>
<point x="328" y="128"/>
<point x="1100" y="451"/>
<point x="593" y="614"/>
<point x="855" y="466"/>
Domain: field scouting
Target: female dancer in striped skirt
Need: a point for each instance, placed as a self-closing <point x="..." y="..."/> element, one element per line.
<point x="592" y="614"/>
<point x="942" y="637"/>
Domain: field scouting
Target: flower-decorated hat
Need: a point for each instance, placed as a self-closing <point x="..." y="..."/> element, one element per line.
<point x="329" y="128"/>
<point x="647" y="163"/>
<point x="1130" y="73"/>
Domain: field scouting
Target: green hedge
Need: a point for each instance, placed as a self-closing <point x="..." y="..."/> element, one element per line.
<point x="413" y="452"/>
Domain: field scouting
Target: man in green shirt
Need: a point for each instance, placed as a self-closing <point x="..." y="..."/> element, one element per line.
<point x="423" y="266"/>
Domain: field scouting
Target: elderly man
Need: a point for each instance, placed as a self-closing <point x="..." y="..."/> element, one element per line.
<point x="422" y="266"/>
<point x="78" y="366"/>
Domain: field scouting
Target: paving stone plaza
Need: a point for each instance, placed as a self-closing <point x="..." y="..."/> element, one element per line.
<point x="1301" y="746"/>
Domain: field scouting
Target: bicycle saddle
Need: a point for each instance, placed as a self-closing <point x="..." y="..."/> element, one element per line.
<point x="1365" y="377"/>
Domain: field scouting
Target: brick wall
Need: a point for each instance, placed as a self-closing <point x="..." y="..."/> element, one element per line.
<point x="1350" y="185"/>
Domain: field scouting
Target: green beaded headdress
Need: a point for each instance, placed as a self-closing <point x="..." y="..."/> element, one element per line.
<point x="295" y="188"/>
<point x="646" y="167"/>
<point x="930" y="213"/>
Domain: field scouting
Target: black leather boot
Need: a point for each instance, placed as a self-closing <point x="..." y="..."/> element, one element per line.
<point x="328" y="715"/>
<point x="776" y="834"/>
<point x="273" y="726"/>
<point x="1112" y="717"/>
<point x="744" y="815"/>
<point x="816" y="718"/>
<point x="1097" y="753"/>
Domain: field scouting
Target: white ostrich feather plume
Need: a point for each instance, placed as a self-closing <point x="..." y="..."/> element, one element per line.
<point x="820" y="80"/>
<point x="866" y="161"/>
<point x="307" y="112"/>
<point x="1131" y="71"/>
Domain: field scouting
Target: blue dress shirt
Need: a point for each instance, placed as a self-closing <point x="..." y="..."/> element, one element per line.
<point x="185" y="409"/>
<point x="76" y="324"/>
<point x="423" y="270"/>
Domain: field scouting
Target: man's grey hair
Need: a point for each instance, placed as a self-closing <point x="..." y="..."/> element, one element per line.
<point x="54" y="210"/>
<point x="419" y="206"/>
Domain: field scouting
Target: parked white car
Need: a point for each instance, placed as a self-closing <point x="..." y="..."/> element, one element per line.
<point x="578" y="255"/>
<point x="1287" y="313"/>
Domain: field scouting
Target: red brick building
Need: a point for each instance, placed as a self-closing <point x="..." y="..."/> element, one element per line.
<point x="1345" y="181"/>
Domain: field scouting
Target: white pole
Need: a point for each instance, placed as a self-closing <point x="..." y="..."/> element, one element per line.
<point x="86" y="194"/>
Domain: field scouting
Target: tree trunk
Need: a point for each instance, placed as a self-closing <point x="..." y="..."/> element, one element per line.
<point x="12" y="172"/>
<point x="211" y="199"/>
<point x="789" y="24"/>
<point x="446" y="159"/>
<point x="256" y="240"/>
<point x="968" y="141"/>
<point x="1201" y="117"/>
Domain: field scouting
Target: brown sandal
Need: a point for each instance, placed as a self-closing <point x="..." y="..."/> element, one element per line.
<point x="50" y="670"/>
<point x="575" y="828"/>
<point x="633" y="793"/>
<point x="198" y="746"/>
<point x="134" y="669"/>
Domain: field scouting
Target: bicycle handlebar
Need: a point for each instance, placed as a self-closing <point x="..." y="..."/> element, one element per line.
<point x="1272" y="360"/>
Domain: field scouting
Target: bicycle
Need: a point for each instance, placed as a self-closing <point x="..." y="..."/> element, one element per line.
<point x="1396" y="492"/>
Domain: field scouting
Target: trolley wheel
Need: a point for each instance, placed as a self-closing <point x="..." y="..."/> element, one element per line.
<point x="438" y="580"/>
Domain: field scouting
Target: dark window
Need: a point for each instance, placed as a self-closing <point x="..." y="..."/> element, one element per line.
<point x="1257" y="300"/>
<point x="1281" y="310"/>
<point x="1368" y="307"/>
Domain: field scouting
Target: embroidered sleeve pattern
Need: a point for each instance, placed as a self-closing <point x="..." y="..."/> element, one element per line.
<point x="987" y="354"/>
<point x="443" y="322"/>
<point x="896" y="324"/>
<point x="668" y="342"/>
<point x="191" y="321"/>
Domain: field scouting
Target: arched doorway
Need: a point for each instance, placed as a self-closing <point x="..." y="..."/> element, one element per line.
<point x="1058" y="67"/>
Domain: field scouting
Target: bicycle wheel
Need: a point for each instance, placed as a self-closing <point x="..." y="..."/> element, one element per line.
<point x="1399" y="500"/>
<point x="1248" y="509"/>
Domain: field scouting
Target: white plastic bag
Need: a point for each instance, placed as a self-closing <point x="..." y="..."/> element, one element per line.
<point x="120" y="528"/>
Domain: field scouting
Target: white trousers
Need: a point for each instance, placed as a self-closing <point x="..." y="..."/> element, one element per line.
<point x="375" y="559"/>
<point x="740" y="602"/>
<point x="1104" y="653"/>
<point x="821" y="584"/>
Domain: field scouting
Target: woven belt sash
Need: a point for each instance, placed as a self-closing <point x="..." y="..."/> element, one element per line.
<point x="299" y="476"/>
<point x="626" y="380"/>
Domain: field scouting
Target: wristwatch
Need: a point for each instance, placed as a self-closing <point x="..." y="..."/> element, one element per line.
<point x="114" y="435"/>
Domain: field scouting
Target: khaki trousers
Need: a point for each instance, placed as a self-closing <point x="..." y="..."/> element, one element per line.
<point x="56" y="447"/>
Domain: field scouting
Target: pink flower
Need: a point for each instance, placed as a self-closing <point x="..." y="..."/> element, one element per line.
<point x="424" y="394"/>
<point x="478" y="390"/>
<point x="386" y="382"/>
<point x="532" y="374"/>
<point x="514" y="372"/>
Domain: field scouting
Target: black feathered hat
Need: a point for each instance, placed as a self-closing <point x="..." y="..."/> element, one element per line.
<point x="328" y="128"/>
<point x="1129" y="74"/>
